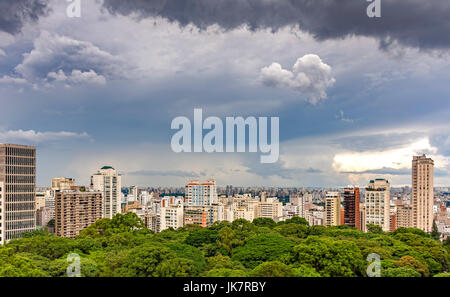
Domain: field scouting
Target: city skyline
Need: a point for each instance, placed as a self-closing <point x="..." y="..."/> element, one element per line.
<point x="374" y="95"/>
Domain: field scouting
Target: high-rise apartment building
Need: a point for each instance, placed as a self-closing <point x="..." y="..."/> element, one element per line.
<point x="109" y="183"/>
<point x="62" y="183"/>
<point x="197" y="194"/>
<point x="199" y="215"/>
<point x="377" y="204"/>
<point x="404" y="216"/>
<point x="332" y="209"/>
<point x="17" y="190"/>
<point x="299" y="201"/>
<point x="351" y="207"/>
<point x="75" y="210"/>
<point x="422" y="194"/>
<point x="270" y="208"/>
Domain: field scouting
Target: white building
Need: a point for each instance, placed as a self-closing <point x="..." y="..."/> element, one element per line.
<point x="109" y="183"/>
<point x="377" y="204"/>
<point x="197" y="194"/>
<point x="270" y="208"/>
<point x="171" y="213"/>
<point x="332" y="213"/>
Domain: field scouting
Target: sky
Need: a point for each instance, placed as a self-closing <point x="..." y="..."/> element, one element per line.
<point x="356" y="97"/>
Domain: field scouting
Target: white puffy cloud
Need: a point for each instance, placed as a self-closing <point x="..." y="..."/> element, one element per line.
<point x="2" y="53"/>
<point x="31" y="136"/>
<point x="61" y="58"/>
<point x="309" y="75"/>
<point x="395" y="158"/>
<point x="77" y="77"/>
<point x="12" y="80"/>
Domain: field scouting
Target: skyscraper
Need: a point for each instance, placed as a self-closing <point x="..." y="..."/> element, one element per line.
<point x="422" y="194"/>
<point x="377" y="204"/>
<point x="332" y="209"/>
<point x="198" y="194"/>
<point x="109" y="183"/>
<point x="351" y="206"/>
<point x="17" y="190"/>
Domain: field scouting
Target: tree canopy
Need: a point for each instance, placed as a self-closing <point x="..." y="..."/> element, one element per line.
<point x="124" y="247"/>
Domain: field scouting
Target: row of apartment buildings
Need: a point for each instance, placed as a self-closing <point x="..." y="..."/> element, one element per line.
<point x="377" y="209"/>
<point x="74" y="208"/>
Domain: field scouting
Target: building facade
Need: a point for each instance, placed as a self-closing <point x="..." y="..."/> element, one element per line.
<point x="332" y="209"/>
<point x="62" y="183"/>
<point x="422" y="195"/>
<point x="201" y="194"/>
<point x="171" y="213"/>
<point x="377" y="204"/>
<point x="404" y="216"/>
<point x="75" y="210"/>
<point x="17" y="191"/>
<point x="351" y="207"/>
<point x="270" y="208"/>
<point x="109" y="183"/>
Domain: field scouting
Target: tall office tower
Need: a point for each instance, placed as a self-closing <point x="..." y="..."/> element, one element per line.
<point x="197" y="194"/>
<point x="62" y="183"/>
<point x="332" y="209"/>
<point x="75" y="210"/>
<point x="17" y="190"/>
<point x="377" y="204"/>
<point x="422" y="192"/>
<point x="109" y="183"/>
<point x="351" y="206"/>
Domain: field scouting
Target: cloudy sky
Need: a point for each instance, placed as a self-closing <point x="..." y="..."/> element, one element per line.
<point x="357" y="97"/>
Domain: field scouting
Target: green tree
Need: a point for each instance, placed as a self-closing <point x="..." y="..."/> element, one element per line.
<point x="411" y="262"/>
<point x="435" y="233"/>
<point x="272" y="269"/>
<point x="120" y="223"/>
<point x="47" y="246"/>
<point x="306" y="271"/>
<point x="329" y="257"/>
<point x="177" y="267"/>
<point x="399" y="272"/>
<point x="228" y="240"/>
<point x="199" y="238"/>
<point x="292" y="230"/>
<point x="262" y="248"/>
<point x="143" y="261"/>
<point x="295" y="220"/>
<point x="219" y="262"/>
<point x="225" y="272"/>
<point x="13" y="265"/>
<point x="372" y="228"/>
<point x="264" y="222"/>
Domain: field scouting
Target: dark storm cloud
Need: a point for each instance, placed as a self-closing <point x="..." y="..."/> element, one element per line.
<point x="15" y="13"/>
<point x="417" y="23"/>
